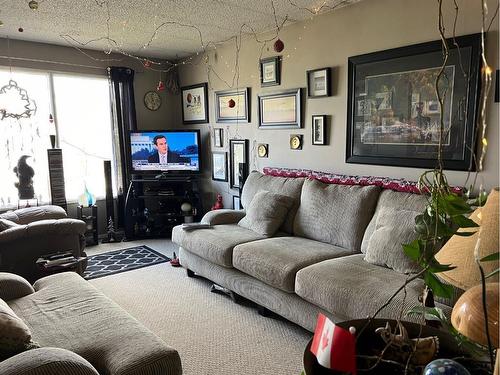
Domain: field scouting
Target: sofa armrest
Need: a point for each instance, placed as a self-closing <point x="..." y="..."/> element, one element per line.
<point x="13" y="286"/>
<point x="223" y="216"/>
<point x="31" y="214"/>
<point x="59" y="227"/>
<point x="45" y="361"/>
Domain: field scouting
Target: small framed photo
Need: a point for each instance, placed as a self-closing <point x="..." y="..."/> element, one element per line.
<point x="219" y="166"/>
<point x="218" y="137"/>
<point x="236" y="203"/>
<point x="319" y="130"/>
<point x="195" y="104"/>
<point x="238" y="153"/>
<point x="232" y="106"/>
<point x="318" y="83"/>
<point x="270" y="71"/>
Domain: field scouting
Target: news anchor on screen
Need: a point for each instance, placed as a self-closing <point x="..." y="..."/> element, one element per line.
<point x="162" y="155"/>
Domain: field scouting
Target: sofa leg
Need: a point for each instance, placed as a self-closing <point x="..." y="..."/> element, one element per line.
<point x="190" y="273"/>
<point x="264" y="311"/>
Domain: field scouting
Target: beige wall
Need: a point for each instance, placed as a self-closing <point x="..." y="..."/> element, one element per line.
<point x="328" y="40"/>
<point x="67" y="59"/>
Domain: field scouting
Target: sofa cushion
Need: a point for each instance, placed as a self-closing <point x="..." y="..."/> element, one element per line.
<point x="69" y="313"/>
<point x="275" y="261"/>
<point x="291" y="187"/>
<point x="393" y="228"/>
<point x="266" y="213"/>
<point x="7" y="224"/>
<point x="395" y="200"/>
<point x="335" y="214"/>
<point x="216" y="243"/>
<point x="352" y="287"/>
<point x="15" y="335"/>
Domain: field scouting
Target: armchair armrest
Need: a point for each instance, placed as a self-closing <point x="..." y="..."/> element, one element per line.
<point x="223" y="216"/>
<point x="13" y="286"/>
<point x="31" y="214"/>
<point x="59" y="227"/>
<point x="44" y="361"/>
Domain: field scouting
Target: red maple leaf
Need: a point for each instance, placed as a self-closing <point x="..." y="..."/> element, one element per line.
<point x="324" y="340"/>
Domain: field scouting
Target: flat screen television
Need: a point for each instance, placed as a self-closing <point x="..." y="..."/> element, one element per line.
<point x="165" y="151"/>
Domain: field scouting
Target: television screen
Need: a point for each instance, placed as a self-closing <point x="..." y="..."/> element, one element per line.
<point x="165" y="151"/>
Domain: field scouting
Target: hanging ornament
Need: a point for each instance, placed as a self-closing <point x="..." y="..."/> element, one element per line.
<point x="33" y="5"/>
<point x="15" y="102"/>
<point x="146" y="63"/>
<point x="161" y="86"/>
<point x="279" y="45"/>
<point x="231" y="103"/>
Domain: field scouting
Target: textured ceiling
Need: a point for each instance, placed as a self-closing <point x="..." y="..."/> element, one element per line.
<point x="132" y="22"/>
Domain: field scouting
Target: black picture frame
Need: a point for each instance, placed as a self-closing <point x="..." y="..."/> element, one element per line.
<point x="273" y="103"/>
<point x="236" y="202"/>
<point x="238" y="153"/>
<point x="194" y="95"/>
<point x="408" y="134"/>
<point x="319" y="137"/>
<point x="223" y="114"/>
<point x="268" y="65"/>
<point x="216" y="176"/>
<point x="319" y="77"/>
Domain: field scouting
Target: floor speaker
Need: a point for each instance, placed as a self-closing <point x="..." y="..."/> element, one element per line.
<point x="56" y="177"/>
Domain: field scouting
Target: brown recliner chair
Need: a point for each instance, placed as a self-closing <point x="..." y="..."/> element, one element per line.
<point x="38" y="231"/>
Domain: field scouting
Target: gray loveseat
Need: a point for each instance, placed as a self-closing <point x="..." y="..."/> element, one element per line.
<point x="80" y="331"/>
<point x="316" y="261"/>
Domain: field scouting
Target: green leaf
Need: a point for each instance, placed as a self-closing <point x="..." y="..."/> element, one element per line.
<point x="453" y="205"/>
<point x="421" y="226"/>
<point x="491" y="257"/>
<point x="438" y="288"/>
<point x="480" y="200"/>
<point x="464" y="222"/>
<point x="436" y="267"/>
<point x="412" y="250"/>
<point x="491" y="274"/>
<point x="465" y="234"/>
<point x="429" y="313"/>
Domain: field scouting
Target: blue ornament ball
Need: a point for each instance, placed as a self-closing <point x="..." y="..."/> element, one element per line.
<point x="445" y="367"/>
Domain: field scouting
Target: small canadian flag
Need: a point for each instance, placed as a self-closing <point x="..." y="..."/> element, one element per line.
<point x="333" y="346"/>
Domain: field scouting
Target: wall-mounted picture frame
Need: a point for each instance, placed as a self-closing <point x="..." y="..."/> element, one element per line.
<point x="238" y="153"/>
<point x="280" y="110"/>
<point x="232" y="106"/>
<point x="319" y="136"/>
<point x="263" y="150"/>
<point x="393" y="113"/>
<point x="218" y="137"/>
<point x="219" y="166"/>
<point x="194" y="101"/>
<point x="270" y="71"/>
<point x="236" y="203"/>
<point x="296" y="141"/>
<point x="319" y="83"/>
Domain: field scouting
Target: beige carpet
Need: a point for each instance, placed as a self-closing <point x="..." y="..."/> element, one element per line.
<point x="213" y="335"/>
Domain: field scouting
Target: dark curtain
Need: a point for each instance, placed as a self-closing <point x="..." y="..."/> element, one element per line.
<point x="124" y="119"/>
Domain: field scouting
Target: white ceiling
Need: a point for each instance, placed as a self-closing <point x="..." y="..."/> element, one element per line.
<point x="132" y="22"/>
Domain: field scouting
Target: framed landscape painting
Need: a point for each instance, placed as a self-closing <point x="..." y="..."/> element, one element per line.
<point x="280" y="110"/>
<point x="394" y="115"/>
<point x="232" y="106"/>
<point x="195" y="104"/>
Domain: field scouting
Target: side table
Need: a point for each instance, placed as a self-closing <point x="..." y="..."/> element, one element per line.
<point x="60" y="262"/>
<point x="89" y="216"/>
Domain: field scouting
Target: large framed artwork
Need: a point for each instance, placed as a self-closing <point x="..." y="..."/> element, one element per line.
<point x="394" y="115"/>
<point x="280" y="110"/>
<point x="238" y="153"/>
<point x="232" y="106"/>
<point x="195" y="104"/>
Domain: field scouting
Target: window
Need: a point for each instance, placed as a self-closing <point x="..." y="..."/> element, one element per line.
<point x="82" y="111"/>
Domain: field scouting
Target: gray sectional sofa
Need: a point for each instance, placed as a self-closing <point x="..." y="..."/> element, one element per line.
<point x="315" y="262"/>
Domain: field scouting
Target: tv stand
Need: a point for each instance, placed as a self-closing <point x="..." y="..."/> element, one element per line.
<point x="153" y="205"/>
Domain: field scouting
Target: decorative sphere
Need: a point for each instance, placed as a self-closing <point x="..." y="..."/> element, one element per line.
<point x="445" y="367"/>
<point x="231" y="103"/>
<point x="186" y="207"/>
<point x="279" y="45"/>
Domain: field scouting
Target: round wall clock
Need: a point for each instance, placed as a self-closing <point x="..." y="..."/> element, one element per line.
<point x="152" y="100"/>
<point x="296" y="142"/>
<point x="262" y="150"/>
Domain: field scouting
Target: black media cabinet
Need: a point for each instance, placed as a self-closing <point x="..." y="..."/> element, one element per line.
<point x="153" y="205"/>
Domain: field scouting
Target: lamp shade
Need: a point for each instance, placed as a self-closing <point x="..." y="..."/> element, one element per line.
<point x="459" y="251"/>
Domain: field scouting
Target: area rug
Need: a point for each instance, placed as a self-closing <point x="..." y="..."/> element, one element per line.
<point x="118" y="261"/>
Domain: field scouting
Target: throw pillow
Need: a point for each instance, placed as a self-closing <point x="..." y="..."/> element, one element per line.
<point x="15" y="336"/>
<point x="6" y="224"/>
<point x="393" y="228"/>
<point x="266" y="212"/>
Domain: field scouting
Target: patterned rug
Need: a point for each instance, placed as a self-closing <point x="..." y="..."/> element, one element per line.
<point x="118" y="261"/>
